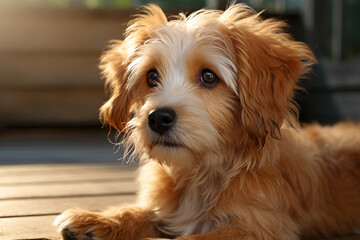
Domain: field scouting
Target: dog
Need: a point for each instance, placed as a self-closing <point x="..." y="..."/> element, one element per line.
<point x="206" y="102"/>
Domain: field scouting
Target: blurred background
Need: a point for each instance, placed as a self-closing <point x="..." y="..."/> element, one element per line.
<point x="50" y="86"/>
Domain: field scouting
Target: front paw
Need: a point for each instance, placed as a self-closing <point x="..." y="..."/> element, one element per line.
<point x="77" y="224"/>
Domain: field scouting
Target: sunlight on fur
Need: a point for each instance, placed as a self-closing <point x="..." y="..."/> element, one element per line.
<point x="215" y="125"/>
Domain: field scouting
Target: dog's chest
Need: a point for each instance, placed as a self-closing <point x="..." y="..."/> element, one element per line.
<point x="191" y="217"/>
<point x="184" y="201"/>
<point x="193" y="213"/>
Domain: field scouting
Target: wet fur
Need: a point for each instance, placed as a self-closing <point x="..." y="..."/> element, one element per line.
<point x="242" y="167"/>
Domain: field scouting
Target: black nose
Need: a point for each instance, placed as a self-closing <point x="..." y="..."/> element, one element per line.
<point x="161" y="120"/>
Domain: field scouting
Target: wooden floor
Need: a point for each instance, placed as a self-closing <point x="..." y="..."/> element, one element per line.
<point x="32" y="196"/>
<point x="46" y="172"/>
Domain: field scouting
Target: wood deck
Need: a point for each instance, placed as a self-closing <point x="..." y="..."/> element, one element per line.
<point x="46" y="171"/>
<point x="32" y="196"/>
<point x="54" y="171"/>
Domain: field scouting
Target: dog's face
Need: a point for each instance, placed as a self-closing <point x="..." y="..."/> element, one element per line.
<point x="207" y="85"/>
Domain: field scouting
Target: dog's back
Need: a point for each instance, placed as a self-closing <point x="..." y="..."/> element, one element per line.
<point x="339" y="148"/>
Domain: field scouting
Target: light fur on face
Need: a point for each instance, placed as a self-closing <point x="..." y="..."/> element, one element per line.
<point x="234" y="164"/>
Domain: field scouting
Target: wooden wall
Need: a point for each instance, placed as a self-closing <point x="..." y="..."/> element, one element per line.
<point x="48" y="64"/>
<point x="49" y="74"/>
<point x="333" y="92"/>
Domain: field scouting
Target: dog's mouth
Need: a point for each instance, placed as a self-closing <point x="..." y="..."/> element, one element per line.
<point x="169" y="144"/>
<point x="167" y="141"/>
<point x="169" y="151"/>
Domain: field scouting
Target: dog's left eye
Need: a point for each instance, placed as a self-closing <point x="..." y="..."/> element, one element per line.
<point x="152" y="78"/>
<point x="208" y="78"/>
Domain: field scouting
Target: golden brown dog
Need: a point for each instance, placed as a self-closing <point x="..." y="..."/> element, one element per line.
<point x="215" y="126"/>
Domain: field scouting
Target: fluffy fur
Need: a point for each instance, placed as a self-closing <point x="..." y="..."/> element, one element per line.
<point x="236" y="165"/>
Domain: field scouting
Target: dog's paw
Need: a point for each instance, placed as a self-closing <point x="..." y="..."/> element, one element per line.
<point x="77" y="224"/>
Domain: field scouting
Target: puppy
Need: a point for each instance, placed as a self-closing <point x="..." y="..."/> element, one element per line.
<point x="215" y="126"/>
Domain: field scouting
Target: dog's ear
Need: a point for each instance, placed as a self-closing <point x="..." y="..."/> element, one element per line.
<point x="115" y="111"/>
<point x="115" y="61"/>
<point x="269" y="62"/>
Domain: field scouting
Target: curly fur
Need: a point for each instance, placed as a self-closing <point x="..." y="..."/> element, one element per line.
<point x="240" y="166"/>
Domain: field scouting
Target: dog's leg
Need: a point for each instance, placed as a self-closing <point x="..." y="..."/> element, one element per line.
<point x="124" y="223"/>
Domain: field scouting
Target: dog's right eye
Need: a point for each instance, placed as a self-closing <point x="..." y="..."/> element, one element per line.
<point x="208" y="78"/>
<point x="152" y="78"/>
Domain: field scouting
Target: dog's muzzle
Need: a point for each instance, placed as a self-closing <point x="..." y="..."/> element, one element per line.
<point x="161" y="120"/>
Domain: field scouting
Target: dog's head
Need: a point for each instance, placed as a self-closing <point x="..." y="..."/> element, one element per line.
<point x="213" y="82"/>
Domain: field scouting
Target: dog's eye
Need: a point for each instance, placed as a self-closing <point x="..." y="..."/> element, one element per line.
<point x="152" y="78"/>
<point x="208" y="78"/>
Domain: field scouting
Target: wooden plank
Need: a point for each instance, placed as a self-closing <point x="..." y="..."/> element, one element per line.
<point x="27" y="227"/>
<point x="338" y="75"/>
<point x="58" y="30"/>
<point x="55" y="168"/>
<point x="36" y="168"/>
<point x="68" y="190"/>
<point x="51" y="169"/>
<point x="67" y="177"/>
<point x="33" y="207"/>
<point x="58" y="145"/>
<point x="48" y="69"/>
<point x="53" y="154"/>
<point x="51" y="106"/>
<point x="329" y="107"/>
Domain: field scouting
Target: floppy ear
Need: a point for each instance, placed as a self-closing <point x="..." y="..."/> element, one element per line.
<point x="269" y="62"/>
<point x="115" y="61"/>
<point x="115" y="111"/>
